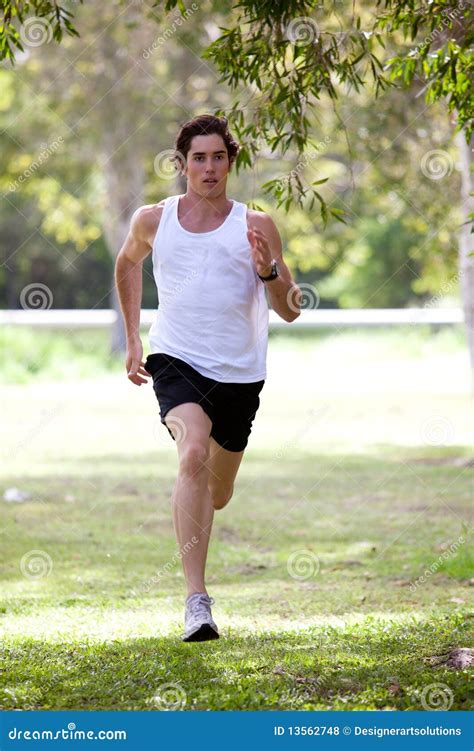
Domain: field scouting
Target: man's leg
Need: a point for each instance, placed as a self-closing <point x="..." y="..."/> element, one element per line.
<point x="193" y="511"/>
<point x="223" y="467"/>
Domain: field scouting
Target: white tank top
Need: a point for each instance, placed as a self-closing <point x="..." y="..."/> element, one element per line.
<point x="212" y="310"/>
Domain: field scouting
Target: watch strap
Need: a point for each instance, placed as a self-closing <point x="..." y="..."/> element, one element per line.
<point x="273" y="275"/>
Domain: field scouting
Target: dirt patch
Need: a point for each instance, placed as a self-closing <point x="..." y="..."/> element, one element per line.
<point x="460" y="658"/>
<point x="247" y="568"/>
<point x="344" y="564"/>
<point x="228" y="534"/>
<point x="432" y="461"/>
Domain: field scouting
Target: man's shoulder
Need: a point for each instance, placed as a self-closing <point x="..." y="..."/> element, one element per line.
<point x="149" y="214"/>
<point x="146" y="219"/>
<point x="258" y="218"/>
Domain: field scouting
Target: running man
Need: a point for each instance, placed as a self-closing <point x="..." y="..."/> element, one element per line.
<point x="212" y="260"/>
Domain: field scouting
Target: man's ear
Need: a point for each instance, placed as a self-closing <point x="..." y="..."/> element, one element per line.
<point x="182" y="168"/>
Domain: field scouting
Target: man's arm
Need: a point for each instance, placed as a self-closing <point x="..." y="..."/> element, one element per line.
<point x="283" y="293"/>
<point x="128" y="280"/>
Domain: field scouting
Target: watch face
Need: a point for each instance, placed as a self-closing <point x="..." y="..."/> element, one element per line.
<point x="274" y="272"/>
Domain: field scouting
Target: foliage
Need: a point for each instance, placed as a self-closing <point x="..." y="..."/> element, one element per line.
<point x="291" y="53"/>
<point x="56" y="17"/>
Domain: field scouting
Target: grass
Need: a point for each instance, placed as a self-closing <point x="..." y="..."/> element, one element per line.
<point x="340" y="569"/>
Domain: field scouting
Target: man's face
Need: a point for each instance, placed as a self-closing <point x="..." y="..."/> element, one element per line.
<point x="207" y="165"/>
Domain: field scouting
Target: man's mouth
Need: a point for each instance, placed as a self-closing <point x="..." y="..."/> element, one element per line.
<point x="210" y="180"/>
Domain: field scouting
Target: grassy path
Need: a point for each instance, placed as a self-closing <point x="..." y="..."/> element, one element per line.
<point x="341" y="569"/>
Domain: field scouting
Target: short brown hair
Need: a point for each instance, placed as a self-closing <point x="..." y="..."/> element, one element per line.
<point x="204" y="125"/>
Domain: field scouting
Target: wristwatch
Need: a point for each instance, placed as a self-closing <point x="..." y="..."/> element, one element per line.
<point x="273" y="275"/>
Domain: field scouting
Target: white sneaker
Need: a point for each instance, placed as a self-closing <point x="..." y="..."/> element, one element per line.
<point x="198" y="623"/>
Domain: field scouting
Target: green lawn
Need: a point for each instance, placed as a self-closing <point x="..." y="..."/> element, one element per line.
<point x="341" y="568"/>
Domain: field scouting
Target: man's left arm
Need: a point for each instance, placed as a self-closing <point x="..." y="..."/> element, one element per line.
<point x="265" y="242"/>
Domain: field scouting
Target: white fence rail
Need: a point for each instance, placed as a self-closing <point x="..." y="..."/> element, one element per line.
<point x="308" y="319"/>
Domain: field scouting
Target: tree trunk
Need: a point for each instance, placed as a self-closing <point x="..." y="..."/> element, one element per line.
<point x="124" y="180"/>
<point x="466" y="242"/>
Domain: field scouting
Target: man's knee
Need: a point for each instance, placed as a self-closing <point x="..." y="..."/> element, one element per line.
<point x="221" y="495"/>
<point x="193" y="457"/>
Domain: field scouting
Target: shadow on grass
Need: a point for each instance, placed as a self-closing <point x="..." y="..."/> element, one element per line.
<point x="116" y="532"/>
<point x="373" y="665"/>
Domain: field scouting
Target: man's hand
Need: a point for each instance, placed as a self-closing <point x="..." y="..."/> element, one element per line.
<point x="265" y="244"/>
<point x="134" y="363"/>
<point x="261" y="253"/>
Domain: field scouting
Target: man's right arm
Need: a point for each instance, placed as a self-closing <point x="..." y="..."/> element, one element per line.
<point x="128" y="279"/>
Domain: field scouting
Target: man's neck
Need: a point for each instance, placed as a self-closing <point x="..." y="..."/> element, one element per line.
<point x="204" y="206"/>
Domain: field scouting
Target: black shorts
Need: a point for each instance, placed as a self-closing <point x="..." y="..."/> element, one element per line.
<point x="230" y="406"/>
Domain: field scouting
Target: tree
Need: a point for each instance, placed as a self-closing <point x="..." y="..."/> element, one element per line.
<point x="38" y="19"/>
<point x="288" y="54"/>
<point x="290" y="59"/>
<point x="110" y="107"/>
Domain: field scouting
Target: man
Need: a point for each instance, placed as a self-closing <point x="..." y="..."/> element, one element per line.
<point x="212" y="261"/>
